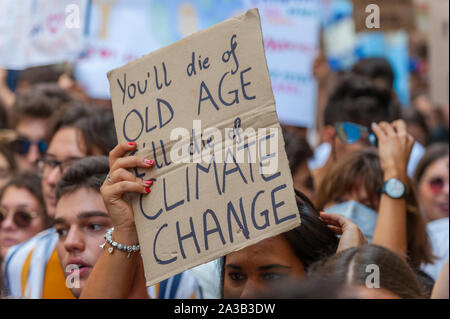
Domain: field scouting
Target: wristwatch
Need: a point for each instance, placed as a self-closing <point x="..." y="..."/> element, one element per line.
<point x="394" y="188"/>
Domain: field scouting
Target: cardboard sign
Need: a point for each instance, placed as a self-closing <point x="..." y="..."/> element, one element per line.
<point x="394" y="15"/>
<point x="203" y="109"/>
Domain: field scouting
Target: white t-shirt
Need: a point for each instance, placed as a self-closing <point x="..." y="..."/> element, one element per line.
<point x="438" y="232"/>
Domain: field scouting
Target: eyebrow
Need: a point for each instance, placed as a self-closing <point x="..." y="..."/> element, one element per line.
<point x="19" y="206"/>
<point x="267" y="267"/>
<point x="70" y="158"/>
<point x="273" y="266"/>
<point x="233" y="266"/>
<point x="92" y="214"/>
<point x="85" y="215"/>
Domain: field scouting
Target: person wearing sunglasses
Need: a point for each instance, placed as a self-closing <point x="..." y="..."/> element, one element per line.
<point x="22" y="211"/>
<point x="355" y="103"/>
<point x="76" y="131"/>
<point x="32" y="112"/>
<point x="431" y="180"/>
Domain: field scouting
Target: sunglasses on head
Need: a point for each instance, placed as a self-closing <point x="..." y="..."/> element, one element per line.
<point x="21" y="218"/>
<point x="436" y="184"/>
<point x="350" y="133"/>
<point x="22" y="145"/>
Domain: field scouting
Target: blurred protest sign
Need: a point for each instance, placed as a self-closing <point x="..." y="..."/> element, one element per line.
<point x="394" y="15"/>
<point x="291" y="37"/>
<point x="439" y="51"/>
<point x="145" y="26"/>
<point x="40" y="32"/>
<point x="344" y="47"/>
<point x="149" y="25"/>
<point x="204" y="110"/>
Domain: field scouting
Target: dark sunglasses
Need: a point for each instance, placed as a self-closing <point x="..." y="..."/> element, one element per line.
<point x="436" y="184"/>
<point x="21" y="218"/>
<point x="350" y="133"/>
<point x="22" y="145"/>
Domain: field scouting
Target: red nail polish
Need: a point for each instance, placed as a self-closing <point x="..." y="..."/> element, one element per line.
<point x="131" y="143"/>
<point x="151" y="162"/>
<point x="150" y="182"/>
<point x="147" y="190"/>
<point x="147" y="183"/>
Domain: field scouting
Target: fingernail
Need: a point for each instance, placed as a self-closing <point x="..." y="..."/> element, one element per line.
<point x="131" y="143"/>
<point x="148" y="183"/>
<point x="147" y="190"/>
<point x="149" y="162"/>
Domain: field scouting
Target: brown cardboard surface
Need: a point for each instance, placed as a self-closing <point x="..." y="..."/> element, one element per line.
<point x="439" y="51"/>
<point x="198" y="212"/>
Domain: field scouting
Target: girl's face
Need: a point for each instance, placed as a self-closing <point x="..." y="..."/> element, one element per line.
<point x="358" y="194"/>
<point x="253" y="270"/>
<point x="22" y="217"/>
<point x="433" y="189"/>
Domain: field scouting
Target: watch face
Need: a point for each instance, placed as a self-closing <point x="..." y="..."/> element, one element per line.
<point x="395" y="188"/>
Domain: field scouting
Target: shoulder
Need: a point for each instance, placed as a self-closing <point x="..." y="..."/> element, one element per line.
<point x="181" y="286"/>
<point x="17" y="257"/>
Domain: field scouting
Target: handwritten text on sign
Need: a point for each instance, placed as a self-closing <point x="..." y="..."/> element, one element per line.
<point x="220" y="188"/>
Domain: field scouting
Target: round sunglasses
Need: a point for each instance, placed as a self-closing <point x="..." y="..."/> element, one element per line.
<point x="22" y="145"/>
<point x="21" y="218"/>
<point x="436" y="184"/>
<point x="350" y="133"/>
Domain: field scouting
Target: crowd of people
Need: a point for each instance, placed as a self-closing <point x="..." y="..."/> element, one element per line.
<point x="372" y="197"/>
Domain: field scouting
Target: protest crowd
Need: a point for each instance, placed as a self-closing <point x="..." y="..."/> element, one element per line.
<point x="372" y="192"/>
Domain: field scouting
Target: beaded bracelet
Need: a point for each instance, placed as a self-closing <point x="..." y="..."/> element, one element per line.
<point x="113" y="244"/>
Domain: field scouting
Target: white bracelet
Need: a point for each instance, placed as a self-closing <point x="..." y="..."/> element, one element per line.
<point x="113" y="244"/>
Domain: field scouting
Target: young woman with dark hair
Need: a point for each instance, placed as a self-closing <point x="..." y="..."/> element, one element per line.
<point x="22" y="210"/>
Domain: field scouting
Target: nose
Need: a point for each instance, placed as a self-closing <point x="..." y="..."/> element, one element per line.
<point x="74" y="241"/>
<point x="53" y="176"/>
<point x="33" y="154"/>
<point x="8" y="223"/>
<point x="251" y="290"/>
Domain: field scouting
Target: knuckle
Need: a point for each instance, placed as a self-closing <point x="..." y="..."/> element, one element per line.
<point x="122" y="186"/>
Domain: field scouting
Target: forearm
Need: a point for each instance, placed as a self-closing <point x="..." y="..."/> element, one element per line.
<point x="114" y="274"/>
<point x="390" y="231"/>
<point x="440" y="289"/>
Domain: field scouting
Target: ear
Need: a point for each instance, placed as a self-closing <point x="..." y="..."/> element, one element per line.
<point x="328" y="133"/>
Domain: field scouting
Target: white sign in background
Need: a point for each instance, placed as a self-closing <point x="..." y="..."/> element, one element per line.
<point x="40" y="32"/>
<point x="119" y="31"/>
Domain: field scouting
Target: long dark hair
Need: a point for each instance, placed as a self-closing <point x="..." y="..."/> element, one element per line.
<point x="363" y="168"/>
<point x="351" y="267"/>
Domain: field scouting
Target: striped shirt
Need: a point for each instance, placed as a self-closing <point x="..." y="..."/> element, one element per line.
<point x="32" y="270"/>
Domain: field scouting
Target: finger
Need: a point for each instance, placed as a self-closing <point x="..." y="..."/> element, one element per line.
<point x="387" y="129"/>
<point x="117" y="190"/>
<point x="119" y="151"/>
<point x="343" y="222"/>
<point x="122" y="174"/>
<point x="378" y="131"/>
<point x="400" y="126"/>
<point x="333" y="219"/>
<point x="411" y="141"/>
<point x="132" y="162"/>
<point x="335" y="229"/>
